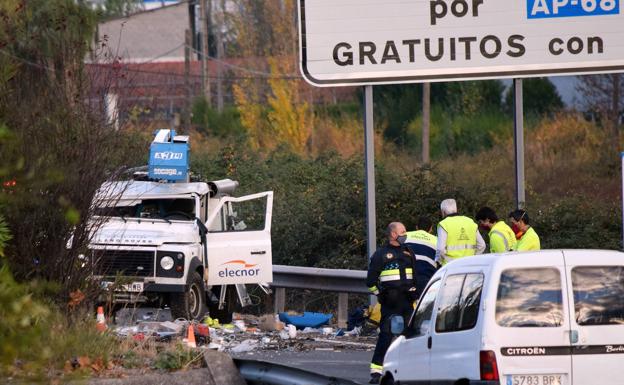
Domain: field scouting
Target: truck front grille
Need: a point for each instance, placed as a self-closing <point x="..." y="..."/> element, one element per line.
<point x="133" y="263"/>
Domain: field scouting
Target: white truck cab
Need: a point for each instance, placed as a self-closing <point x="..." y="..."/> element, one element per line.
<point x="551" y="317"/>
<point x="165" y="239"/>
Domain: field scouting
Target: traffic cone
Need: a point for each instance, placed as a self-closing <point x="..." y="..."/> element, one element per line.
<point x="101" y="320"/>
<point x="190" y="338"/>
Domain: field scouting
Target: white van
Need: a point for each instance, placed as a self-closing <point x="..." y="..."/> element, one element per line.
<point x="551" y="317"/>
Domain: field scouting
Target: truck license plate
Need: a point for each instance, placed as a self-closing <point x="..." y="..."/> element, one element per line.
<point x="134" y="287"/>
<point x="536" y="379"/>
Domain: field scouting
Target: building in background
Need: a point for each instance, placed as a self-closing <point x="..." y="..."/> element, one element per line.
<point x="140" y="58"/>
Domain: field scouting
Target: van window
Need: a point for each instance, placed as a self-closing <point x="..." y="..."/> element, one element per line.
<point x="459" y="303"/>
<point x="470" y="301"/>
<point x="529" y="298"/>
<point x="598" y="295"/>
<point x="421" y="318"/>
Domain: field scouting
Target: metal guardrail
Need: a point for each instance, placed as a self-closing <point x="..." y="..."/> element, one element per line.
<point x="267" y="373"/>
<point x="336" y="280"/>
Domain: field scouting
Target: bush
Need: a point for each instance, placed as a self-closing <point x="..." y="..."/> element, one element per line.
<point x="211" y="122"/>
<point x="454" y="135"/>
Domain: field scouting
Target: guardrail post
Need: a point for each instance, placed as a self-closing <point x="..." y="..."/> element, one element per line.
<point x="343" y="305"/>
<point x="280" y="299"/>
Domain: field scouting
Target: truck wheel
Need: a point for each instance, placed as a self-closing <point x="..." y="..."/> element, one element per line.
<point x="191" y="304"/>
<point x="224" y="315"/>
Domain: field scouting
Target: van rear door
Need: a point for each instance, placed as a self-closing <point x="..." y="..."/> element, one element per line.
<point x="596" y="298"/>
<point x="531" y="323"/>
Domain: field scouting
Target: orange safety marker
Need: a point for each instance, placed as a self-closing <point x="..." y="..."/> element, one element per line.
<point x="190" y="338"/>
<point x="101" y="320"/>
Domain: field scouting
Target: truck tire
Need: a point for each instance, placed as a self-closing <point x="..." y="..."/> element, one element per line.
<point x="224" y="315"/>
<point x="191" y="304"/>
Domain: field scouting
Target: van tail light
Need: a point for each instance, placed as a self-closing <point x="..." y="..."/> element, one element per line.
<point x="487" y="363"/>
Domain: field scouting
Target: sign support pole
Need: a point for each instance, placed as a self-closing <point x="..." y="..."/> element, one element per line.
<point x="369" y="161"/>
<point x="519" y="143"/>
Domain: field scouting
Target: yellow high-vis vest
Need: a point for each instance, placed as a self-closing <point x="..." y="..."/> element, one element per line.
<point x="529" y="241"/>
<point x="502" y="238"/>
<point x="461" y="240"/>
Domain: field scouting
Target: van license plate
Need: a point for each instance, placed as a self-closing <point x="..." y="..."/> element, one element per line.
<point x="536" y="379"/>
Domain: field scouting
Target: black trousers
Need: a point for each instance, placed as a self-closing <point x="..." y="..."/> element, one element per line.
<point x="392" y="303"/>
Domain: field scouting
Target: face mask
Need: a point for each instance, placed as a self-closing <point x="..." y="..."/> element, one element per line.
<point x="401" y="239"/>
<point x="516" y="229"/>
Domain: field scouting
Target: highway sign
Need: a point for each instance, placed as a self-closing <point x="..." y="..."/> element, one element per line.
<point x="356" y="42"/>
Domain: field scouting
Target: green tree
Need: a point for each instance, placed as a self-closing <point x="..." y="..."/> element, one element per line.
<point x="539" y="96"/>
<point x="397" y="106"/>
<point x="472" y="97"/>
<point x="59" y="148"/>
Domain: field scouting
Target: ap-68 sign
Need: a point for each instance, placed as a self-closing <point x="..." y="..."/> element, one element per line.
<point x="353" y="42"/>
<point x="568" y="8"/>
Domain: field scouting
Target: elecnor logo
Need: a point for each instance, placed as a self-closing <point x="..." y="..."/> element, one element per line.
<point x="169" y="155"/>
<point x="241" y="269"/>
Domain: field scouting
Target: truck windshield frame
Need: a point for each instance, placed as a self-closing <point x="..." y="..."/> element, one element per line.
<point x="163" y="208"/>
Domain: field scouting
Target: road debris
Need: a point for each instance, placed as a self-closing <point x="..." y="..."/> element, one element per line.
<point x="248" y="334"/>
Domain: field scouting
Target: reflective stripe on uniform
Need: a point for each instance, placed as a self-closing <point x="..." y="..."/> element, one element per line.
<point x="373" y="290"/>
<point x="395" y="271"/>
<point x="426" y="259"/>
<point x="374" y="368"/>
<point x="461" y="247"/>
<point x="394" y="277"/>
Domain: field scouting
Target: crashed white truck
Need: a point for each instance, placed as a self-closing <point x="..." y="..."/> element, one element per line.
<point x="187" y="245"/>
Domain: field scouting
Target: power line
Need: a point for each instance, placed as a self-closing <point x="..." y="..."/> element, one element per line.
<point x="266" y="74"/>
<point x="127" y="67"/>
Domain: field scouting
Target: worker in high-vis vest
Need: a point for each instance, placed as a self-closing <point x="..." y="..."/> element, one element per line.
<point x="423" y="245"/>
<point x="391" y="276"/>
<point x="525" y="234"/>
<point x="502" y="237"/>
<point x="458" y="235"/>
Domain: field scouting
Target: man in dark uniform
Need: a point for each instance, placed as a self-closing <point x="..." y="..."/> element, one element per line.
<point x="392" y="277"/>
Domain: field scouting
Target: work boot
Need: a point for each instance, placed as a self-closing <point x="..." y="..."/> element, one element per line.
<point x="375" y="378"/>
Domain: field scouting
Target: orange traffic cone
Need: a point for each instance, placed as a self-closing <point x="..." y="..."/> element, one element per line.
<point x="101" y="320"/>
<point x="190" y="338"/>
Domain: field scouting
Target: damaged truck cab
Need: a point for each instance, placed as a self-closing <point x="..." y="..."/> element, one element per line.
<point x="189" y="245"/>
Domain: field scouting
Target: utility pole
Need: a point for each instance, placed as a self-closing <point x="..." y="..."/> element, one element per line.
<point x="220" y="55"/>
<point x="369" y="166"/>
<point x="519" y="142"/>
<point x="426" y="120"/>
<point x="204" y="17"/>
<point x="187" y="79"/>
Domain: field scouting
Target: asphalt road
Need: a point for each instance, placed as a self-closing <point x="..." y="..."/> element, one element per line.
<point x="347" y="364"/>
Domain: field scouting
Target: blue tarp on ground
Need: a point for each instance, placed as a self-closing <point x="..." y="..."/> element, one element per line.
<point x="308" y="319"/>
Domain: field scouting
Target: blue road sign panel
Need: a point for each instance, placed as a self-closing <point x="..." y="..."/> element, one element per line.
<point x="542" y="9"/>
